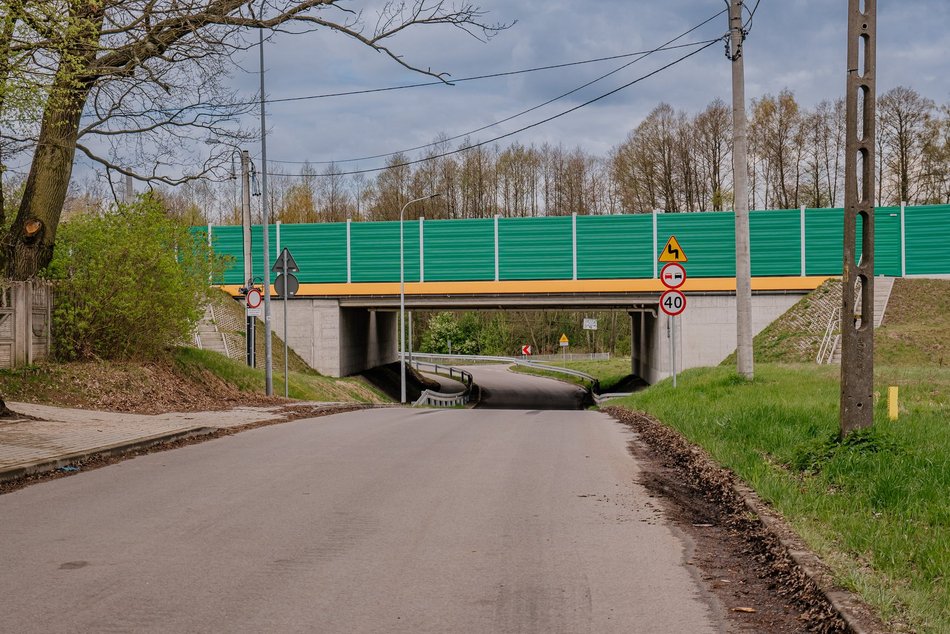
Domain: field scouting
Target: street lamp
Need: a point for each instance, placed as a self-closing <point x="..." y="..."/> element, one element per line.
<point x="402" y="300"/>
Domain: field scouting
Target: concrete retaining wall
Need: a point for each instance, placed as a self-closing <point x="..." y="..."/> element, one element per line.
<point x="335" y="341"/>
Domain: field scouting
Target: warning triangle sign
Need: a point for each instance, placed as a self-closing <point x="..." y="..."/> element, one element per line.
<point x="672" y="252"/>
<point x="291" y="263"/>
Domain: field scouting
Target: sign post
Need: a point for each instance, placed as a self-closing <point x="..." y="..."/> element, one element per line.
<point x="564" y="343"/>
<point x="673" y="301"/>
<point x="589" y="324"/>
<point x="286" y="286"/>
<point x="253" y="309"/>
<point x="526" y="350"/>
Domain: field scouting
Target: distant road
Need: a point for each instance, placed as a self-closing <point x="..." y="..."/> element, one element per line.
<point x="503" y="389"/>
<point x="384" y="520"/>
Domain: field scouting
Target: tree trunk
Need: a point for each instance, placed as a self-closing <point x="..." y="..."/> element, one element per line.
<point x="28" y="245"/>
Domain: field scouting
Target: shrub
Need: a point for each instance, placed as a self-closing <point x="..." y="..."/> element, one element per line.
<point x="130" y="283"/>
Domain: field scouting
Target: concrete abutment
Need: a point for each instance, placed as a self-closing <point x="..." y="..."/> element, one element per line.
<point x="343" y="340"/>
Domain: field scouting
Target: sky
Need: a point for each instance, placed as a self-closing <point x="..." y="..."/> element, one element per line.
<point x="793" y="44"/>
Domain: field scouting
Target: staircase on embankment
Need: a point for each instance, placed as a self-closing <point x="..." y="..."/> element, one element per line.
<point x="882" y="294"/>
<point x="207" y="335"/>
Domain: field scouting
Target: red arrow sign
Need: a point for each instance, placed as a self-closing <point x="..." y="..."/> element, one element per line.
<point x="526" y="350"/>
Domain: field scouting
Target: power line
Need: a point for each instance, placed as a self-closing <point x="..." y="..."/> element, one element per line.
<point x="514" y="132"/>
<point x="486" y="126"/>
<point x="452" y="82"/>
<point x="529" y="110"/>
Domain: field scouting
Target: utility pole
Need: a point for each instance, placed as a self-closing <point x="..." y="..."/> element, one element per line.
<point x="265" y="221"/>
<point x="248" y="264"/>
<point x="740" y="168"/>
<point x="857" y="295"/>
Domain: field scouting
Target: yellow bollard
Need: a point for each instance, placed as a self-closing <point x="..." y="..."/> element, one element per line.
<point x="892" y="407"/>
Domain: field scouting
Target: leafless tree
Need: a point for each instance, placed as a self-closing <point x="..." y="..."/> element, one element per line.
<point x="152" y="71"/>
<point x="904" y="116"/>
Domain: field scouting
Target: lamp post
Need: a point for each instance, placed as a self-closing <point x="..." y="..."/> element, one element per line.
<point x="402" y="300"/>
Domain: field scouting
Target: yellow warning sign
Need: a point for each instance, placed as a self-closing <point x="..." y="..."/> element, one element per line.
<point x="672" y="252"/>
<point x="564" y="340"/>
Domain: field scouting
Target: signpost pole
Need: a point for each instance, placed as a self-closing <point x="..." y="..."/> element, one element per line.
<point x="286" y="288"/>
<point x="673" y="348"/>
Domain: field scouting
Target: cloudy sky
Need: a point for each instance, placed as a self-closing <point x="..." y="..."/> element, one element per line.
<point x="794" y="44"/>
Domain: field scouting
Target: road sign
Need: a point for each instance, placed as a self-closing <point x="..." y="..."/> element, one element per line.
<point x="563" y="341"/>
<point x="590" y="324"/>
<point x="291" y="264"/>
<point x="291" y="282"/>
<point x="673" y="275"/>
<point x="672" y="252"/>
<point x="672" y="302"/>
<point x="526" y="350"/>
<point x="254" y="298"/>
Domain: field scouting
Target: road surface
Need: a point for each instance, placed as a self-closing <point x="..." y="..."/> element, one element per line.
<point x="503" y="389"/>
<point x="383" y="520"/>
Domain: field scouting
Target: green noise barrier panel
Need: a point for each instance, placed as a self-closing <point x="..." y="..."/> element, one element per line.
<point x="911" y="241"/>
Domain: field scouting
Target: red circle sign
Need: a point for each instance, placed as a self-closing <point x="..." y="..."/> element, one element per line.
<point x="254" y="298"/>
<point x="672" y="303"/>
<point x="673" y="275"/>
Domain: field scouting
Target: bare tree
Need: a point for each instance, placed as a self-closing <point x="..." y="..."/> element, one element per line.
<point x="936" y="159"/>
<point x="714" y="150"/>
<point x="904" y="116"/>
<point x="122" y="67"/>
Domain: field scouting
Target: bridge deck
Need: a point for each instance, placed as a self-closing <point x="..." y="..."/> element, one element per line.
<point x="573" y="293"/>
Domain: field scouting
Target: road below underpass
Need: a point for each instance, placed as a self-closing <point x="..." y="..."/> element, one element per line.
<point x="504" y="389"/>
<point x="383" y="520"/>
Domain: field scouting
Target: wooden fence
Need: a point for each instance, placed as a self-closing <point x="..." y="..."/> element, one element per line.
<point x="25" y="316"/>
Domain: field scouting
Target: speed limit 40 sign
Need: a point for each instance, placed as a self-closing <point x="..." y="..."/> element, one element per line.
<point x="672" y="302"/>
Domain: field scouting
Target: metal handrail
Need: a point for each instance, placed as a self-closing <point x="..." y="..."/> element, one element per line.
<point x="829" y="340"/>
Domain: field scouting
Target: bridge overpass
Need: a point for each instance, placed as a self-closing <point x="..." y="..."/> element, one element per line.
<point x="344" y="321"/>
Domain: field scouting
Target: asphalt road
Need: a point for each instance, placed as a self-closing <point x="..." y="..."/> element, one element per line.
<point x="503" y="389"/>
<point x="385" y="520"/>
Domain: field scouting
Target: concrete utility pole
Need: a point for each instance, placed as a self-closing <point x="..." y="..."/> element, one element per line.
<point x="857" y="311"/>
<point x="740" y="168"/>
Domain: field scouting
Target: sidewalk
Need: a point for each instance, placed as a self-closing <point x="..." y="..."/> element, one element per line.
<point x="55" y="437"/>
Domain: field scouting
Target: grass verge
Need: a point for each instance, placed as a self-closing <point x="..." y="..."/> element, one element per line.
<point x="305" y="386"/>
<point x="609" y="373"/>
<point x="875" y="507"/>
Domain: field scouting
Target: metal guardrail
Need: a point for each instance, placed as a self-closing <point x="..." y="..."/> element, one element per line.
<point x="510" y="360"/>
<point x="441" y="399"/>
<point x="571" y="356"/>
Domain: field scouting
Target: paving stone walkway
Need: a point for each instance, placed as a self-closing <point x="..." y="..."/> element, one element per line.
<point x="53" y="434"/>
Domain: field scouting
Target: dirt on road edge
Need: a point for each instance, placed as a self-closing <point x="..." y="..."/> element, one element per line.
<point x="759" y="569"/>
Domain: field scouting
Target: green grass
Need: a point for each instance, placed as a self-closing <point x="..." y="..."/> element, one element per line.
<point x="608" y="373"/>
<point x="916" y="328"/>
<point x="306" y="386"/>
<point x="876" y="508"/>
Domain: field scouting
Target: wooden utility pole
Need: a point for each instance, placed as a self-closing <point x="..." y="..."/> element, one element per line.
<point x="857" y="296"/>
<point x="740" y="168"/>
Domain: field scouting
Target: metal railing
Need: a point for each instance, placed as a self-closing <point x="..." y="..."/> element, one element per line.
<point x="442" y="399"/>
<point x="829" y="340"/>
<point x="475" y="358"/>
<point x="571" y="356"/>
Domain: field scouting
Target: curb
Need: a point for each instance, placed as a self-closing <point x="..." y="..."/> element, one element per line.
<point x="107" y="451"/>
<point x="845" y="603"/>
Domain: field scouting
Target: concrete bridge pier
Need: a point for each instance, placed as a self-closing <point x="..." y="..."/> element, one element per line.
<point x="338" y="341"/>
<point x="705" y="333"/>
